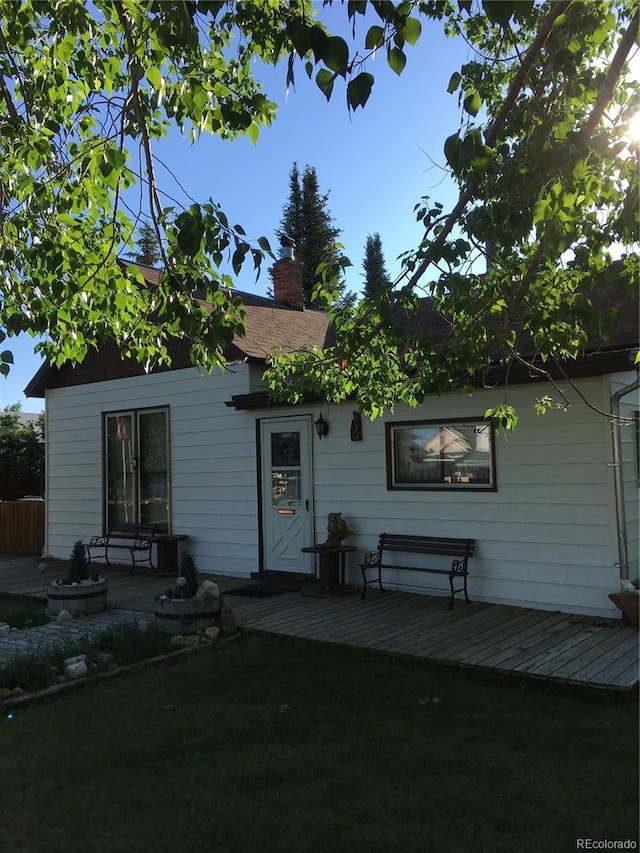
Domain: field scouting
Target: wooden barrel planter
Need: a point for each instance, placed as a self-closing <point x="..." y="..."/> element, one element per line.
<point x="77" y="599"/>
<point x="186" y="615"/>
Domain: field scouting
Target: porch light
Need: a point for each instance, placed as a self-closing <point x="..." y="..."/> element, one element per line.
<point x="322" y="427"/>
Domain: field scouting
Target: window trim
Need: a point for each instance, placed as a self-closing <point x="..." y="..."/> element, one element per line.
<point x="135" y="413"/>
<point x="393" y="484"/>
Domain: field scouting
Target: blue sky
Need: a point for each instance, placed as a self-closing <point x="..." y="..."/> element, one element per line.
<point x="376" y="163"/>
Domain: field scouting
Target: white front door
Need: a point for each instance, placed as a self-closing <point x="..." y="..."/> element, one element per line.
<point x="287" y="511"/>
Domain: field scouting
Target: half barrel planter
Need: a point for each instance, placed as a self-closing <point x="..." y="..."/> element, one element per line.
<point x="186" y="615"/>
<point x="78" y="599"/>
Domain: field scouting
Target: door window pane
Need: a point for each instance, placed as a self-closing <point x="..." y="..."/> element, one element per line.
<point x="120" y="471"/>
<point x="286" y="488"/>
<point x="285" y="449"/>
<point x="153" y="467"/>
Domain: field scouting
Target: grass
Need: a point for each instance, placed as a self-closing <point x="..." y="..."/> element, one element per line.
<point x="269" y="744"/>
<point x="21" y="611"/>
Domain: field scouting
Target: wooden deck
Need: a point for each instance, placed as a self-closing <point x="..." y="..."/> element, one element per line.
<point x="576" y="650"/>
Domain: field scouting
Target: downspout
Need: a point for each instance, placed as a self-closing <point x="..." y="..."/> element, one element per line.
<point x="618" y="479"/>
<point x="45" y="546"/>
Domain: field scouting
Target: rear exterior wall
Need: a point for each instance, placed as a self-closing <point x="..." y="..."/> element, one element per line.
<point x="546" y="538"/>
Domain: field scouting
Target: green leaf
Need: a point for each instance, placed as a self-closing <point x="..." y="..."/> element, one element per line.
<point x="504" y="416"/>
<point x="472" y="103"/>
<point x="396" y="59"/>
<point x="374" y="38"/>
<point x="411" y="30"/>
<point x="454" y="82"/>
<point x="254" y="132"/>
<point x="154" y="76"/>
<point x="359" y="89"/>
<point x="336" y="55"/>
<point x="498" y="11"/>
<point x="452" y="151"/>
<point x="6" y="356"/>
<point x="115" y="158"/>
<point x="325" y="80"/>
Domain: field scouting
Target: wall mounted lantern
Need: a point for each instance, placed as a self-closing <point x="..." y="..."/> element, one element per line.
<point x="322" y="427"/>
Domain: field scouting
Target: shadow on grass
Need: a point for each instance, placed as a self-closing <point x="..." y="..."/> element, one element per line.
<point x="268" y="744"/>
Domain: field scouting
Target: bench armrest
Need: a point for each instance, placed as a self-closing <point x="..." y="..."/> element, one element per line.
<point x="371" y="560"/>
<point x="459" y="567"/>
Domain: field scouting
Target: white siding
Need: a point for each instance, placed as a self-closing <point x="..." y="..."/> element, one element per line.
<point x="629" y="406"/>
<point x="213" y="468"/>
<point x="546" y="538"/>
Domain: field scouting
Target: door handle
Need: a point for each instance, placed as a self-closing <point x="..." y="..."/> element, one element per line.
<point x="306" y="504"/>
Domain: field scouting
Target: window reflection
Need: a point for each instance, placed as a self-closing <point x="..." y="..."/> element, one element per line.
<point x="431" y="455"/>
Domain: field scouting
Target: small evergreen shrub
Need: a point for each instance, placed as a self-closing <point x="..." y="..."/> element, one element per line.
<point x="187" y="582"/>
<point x="78" y="563"/>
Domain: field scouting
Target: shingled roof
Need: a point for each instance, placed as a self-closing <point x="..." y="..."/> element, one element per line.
<point x="273" y="326"/>
<point x="269" y="327"/>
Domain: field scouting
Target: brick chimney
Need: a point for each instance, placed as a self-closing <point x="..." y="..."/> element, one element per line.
<point x="287" y="274"/>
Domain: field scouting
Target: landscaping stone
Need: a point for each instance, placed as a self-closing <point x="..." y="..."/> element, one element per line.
<point x="4" y="693"/>
<point x="64" y="616"/>
<point x="177" y="641"/>
<point x="76" y="670"/>
<point x="212" y="633"/>
<point x="75" y="659"/>
<point x="4" y="628"/>
<point x="208" y="589"/>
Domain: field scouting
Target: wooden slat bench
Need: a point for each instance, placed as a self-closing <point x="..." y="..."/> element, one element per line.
<point x="137" y="544"/>
<point x="460" y="549"/>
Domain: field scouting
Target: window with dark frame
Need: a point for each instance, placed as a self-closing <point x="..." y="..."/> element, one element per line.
<point x="136" y="469"/>
<point x="436" y="455"/>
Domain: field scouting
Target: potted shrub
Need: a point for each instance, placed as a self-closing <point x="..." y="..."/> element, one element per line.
<point x="188" y="606"/>
<point x="78" y="593"/>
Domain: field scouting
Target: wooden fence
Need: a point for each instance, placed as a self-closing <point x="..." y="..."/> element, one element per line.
<point x="22" y="527"/>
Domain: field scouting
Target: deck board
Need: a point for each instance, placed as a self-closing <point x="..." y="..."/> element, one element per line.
<point x="491" y="638"/>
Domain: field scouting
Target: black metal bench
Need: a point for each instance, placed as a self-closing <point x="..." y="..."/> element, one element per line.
<point x="137" y="544"/>
<point x="460" y="549"/>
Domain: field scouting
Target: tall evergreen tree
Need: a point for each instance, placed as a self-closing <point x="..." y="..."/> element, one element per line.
<point x="307" y="220"/>
<point x="148" y="248"/>
<point x="375" y="272"/>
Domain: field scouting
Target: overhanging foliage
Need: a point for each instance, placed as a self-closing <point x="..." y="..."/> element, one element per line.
<point x="547" y="180"/>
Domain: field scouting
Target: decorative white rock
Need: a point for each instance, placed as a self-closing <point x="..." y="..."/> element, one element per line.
<point x="76" y="670"/>
<point x="64" y="616"/>
<point x="75" y="659"/>
<point x="208" y="589"/>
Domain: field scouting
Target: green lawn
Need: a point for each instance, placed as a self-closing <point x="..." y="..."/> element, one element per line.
<point x="273" y="745"/>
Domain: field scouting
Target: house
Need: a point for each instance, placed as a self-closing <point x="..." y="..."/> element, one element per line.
<point x="251" y="483"/>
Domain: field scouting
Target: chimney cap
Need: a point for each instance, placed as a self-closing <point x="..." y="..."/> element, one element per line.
<point x="288" y="246"/>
